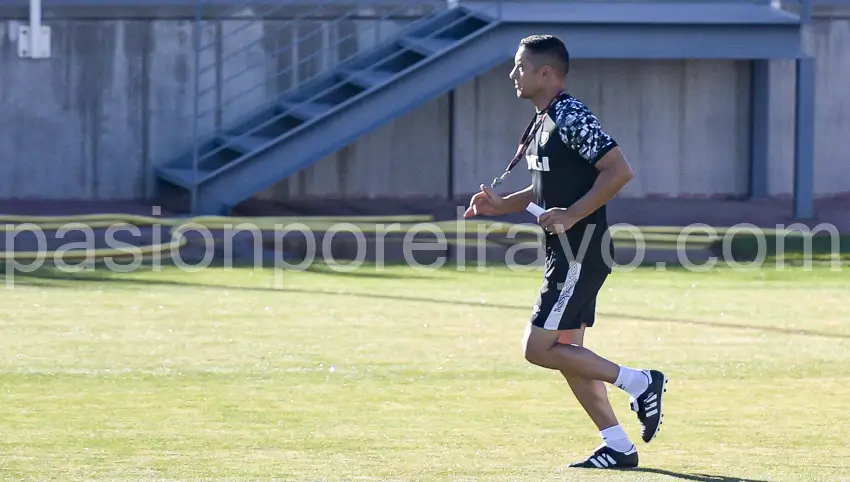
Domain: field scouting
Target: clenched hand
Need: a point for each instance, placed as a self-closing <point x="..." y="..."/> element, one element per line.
<point x="485" y="203"/>
<point x="557" y="220"/>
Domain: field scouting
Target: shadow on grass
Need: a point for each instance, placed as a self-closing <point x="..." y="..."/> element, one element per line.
<point x="103" y="274"/>
<point x="745" y="247"/>
<point x="55" y="277"/>
<point x="697" y="477"/>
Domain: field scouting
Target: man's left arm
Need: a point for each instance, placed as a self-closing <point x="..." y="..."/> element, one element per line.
<point x="614" y="173"/>
<point x="580" y="130"/>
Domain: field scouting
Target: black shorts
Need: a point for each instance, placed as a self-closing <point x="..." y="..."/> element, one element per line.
<point x="568" y="295"/>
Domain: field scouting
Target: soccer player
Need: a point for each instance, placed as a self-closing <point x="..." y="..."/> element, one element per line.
<point x="576" y="168"/>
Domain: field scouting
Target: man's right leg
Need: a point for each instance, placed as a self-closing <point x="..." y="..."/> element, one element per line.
<point x="593" y="397"/>
<point x="567" y="303"/>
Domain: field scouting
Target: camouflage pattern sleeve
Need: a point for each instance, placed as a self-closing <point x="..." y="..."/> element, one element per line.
<point x="581" y="131"/>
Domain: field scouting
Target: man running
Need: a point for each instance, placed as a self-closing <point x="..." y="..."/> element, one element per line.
<point x="576" y="168"/>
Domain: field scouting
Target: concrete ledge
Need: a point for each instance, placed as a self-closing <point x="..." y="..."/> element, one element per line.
<point x="222" y="9"/>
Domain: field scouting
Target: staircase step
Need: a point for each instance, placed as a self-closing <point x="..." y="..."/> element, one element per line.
<point x="245" y="144"/>
<point x="456" y="22"/>
<point x="185" y="177"/>
<point x="305" y="111"/>
<point x="426" y="46"/>
<point x="368" y="78"/>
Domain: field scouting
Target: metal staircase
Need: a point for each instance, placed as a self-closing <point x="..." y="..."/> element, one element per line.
<point x="449" y="44"/>
<point x="328" y="111"/>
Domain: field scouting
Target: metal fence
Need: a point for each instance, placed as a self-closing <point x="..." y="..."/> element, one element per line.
<point x="214" y="94"/>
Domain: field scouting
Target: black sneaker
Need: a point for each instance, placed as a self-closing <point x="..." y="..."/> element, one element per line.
<point x="648" y="405"/>
<point x="607" y="458"/>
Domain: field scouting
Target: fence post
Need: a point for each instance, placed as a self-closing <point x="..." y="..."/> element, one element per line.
<point x="196" y="40"/>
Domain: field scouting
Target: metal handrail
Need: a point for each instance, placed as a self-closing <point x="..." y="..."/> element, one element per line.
<point x="278" y="5"/>
<point x="294" y="20"/>
<point x="281" y="115"/>
<point x="251" y="44"/>
<point x="411" y="25"/>
<point x="293" y="65"/>
<point x="316" y="96"/>
<point x="337" y="20"/>
<point x="199" y="49"/>
<point x="297" y="18"/>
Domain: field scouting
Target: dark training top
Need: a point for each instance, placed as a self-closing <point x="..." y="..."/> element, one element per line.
<point x="562" y="160"/>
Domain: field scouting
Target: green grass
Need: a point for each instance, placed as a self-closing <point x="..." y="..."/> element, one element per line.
<point x="221" y="375"/>
<point x="742" y="245"/>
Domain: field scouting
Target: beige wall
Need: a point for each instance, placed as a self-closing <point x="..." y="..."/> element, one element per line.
<point x="681" y="123"/>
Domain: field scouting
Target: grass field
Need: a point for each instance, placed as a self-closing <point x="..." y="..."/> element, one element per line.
<point x="409" y="375"/>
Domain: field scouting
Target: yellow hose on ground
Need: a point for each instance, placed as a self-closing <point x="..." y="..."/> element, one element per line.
<point x="365" y="224"/>
<point x="18" y="223"/>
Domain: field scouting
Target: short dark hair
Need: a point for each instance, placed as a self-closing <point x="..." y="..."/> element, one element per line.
<point x="551" y="48"/>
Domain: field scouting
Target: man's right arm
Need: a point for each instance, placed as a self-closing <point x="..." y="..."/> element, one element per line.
<point x="519" y="200"/>
<point x="489" y="203"/>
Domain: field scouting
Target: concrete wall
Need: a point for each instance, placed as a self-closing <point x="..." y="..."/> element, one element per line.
<point x="116" y="96"/>
<point x="115" y="99"/>
<point x="829" y="41"/>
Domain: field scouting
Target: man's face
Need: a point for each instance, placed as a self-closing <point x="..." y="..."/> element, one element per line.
<point x="526" y="81"/>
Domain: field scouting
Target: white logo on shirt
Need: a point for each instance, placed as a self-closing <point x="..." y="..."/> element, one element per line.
<point x="537" y="163"/>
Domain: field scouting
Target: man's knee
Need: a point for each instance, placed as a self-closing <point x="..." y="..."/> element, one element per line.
<point x="537" y="343"/>
<point x="575" y="338"/>
<point x="534" y="355"/>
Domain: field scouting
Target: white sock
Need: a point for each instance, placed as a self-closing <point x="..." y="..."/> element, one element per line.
<point x="633" y="381"/>
<point x="616" y="438"/>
